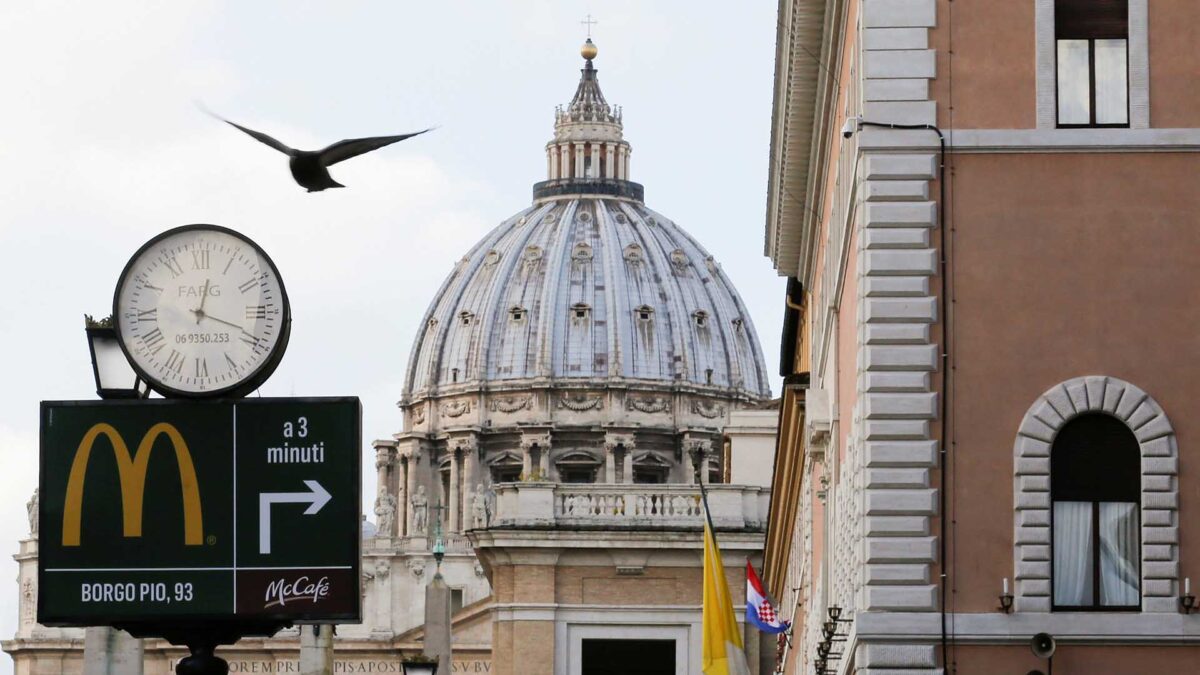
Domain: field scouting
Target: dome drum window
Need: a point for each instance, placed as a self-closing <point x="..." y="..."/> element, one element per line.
<point x="581" y="310"/>
<point x="644" y="313"/>
<point x="577" y="467"/>
<point x="517" y="313"/>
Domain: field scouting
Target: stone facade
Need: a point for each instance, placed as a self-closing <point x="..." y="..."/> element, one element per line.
<point x="961" y="304"/>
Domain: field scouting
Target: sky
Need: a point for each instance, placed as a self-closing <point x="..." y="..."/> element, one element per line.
<point x="103" y="147"/>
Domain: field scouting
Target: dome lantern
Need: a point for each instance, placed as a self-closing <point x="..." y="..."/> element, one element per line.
<point x="589" y="154"/>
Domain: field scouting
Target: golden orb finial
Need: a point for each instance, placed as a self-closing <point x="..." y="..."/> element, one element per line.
<point x="588" y="50"/>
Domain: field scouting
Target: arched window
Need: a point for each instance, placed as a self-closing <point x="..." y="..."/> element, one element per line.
<point x="1095" y="489"/>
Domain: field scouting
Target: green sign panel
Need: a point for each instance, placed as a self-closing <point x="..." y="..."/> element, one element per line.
<point x="181" y="511"/>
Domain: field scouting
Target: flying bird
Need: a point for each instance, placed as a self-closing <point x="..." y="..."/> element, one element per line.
<point x="310" y="168"/>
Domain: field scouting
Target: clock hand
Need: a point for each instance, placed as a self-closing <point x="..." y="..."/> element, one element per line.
<point x="202" y="314"/>
<point x="199" y="311"/>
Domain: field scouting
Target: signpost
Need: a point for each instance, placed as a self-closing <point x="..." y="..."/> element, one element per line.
<point x="227" y="513"/>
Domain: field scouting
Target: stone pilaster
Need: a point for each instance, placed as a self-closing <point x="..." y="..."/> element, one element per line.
<point x="897" y="259"/>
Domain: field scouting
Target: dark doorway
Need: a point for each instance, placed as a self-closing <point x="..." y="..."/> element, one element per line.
<point x="628" y="657"/>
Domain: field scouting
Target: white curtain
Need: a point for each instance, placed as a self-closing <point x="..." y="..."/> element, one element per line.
<point x="1118" y="554"/>
<point x="1072" y="553"/>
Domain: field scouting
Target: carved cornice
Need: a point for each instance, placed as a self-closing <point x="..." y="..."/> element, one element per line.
<point x="708" y="409"/>
<point x="456" y="408"/>
<point x="648" y="404"/>
<point x="580" y="402"/>
<point x="512" y="404"/>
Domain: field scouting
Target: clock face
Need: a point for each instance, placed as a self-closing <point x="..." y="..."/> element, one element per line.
<point x="200" y="311"/>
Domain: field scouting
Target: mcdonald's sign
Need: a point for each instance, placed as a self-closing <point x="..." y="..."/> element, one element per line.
<point x="132" y="472"/>
<point x="165" y="510"/>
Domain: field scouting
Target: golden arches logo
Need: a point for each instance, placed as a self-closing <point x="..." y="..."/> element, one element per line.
<point x="132" y="472"/>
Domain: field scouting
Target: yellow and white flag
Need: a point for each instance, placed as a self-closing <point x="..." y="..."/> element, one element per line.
<point x="723" y="653"/>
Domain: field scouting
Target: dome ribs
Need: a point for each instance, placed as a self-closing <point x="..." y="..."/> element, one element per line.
<point x="695" y="295"/>
<point x="496" y="329"/>
<point x="543" y="298"/>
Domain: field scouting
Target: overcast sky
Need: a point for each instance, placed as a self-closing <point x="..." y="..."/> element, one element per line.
<point x="103" y="148"/>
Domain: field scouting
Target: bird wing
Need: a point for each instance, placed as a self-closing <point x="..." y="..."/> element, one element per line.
<point x="263" y="138"/>
<point x="353" y="147"/>
<point x="256" y="135"/>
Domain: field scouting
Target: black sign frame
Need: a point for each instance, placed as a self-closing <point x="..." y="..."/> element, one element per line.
<point x="61" y="536"/>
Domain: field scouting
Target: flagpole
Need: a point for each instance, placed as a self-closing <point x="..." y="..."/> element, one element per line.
<point x="697" y="457"/>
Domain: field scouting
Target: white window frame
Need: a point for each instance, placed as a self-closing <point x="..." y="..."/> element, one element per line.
<point x="1160" y="487"/>
<point x="1139" y="65"/>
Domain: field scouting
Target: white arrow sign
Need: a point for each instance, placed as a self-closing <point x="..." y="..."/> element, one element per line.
<point x="316" y="498"/>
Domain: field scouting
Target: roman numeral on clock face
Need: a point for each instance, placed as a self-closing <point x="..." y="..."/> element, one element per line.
<point x="255" y="342"/>
<point x="201" y="367"/>
<point x="175" y="361"/>
<point x="148" y="315"/>
<point x="245" y="288"/>
<point x="174" y="266"/>
<point x="200" y="260"/>
<point x="256" y="311"/>
<point x="154" y="340"/>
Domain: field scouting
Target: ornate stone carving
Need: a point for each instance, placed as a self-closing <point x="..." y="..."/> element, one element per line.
<point x="620" y="218"/>
<point x="456" y="408"/>
<point x="478" y="570"/>
<point x="479" y="510"/>
<point x="528" y="440"/>
<point x="708" y="409"/>
<point x="491" y="258"/>
<point x="584" y="217"/>
<point x="383" y="457"/>
<point x="512" y="404"/>
<point x="420" y="503"/>
<point x="711" y="265"/>
<point x="31" y="507"/>
<point x="385" y="513"/>
<point x="416" y="566"/>
<point x="382" y="569"/>
<point x="633" y="253"/>
<point x="651" y="404"/>
<point x="580" y="402"/>
<point x="679" y="260"/>
<point x="418" y="414"/>
<point x="29" y="601"/>
<point x="582" y="252"/>
<point x="533" y="254"/>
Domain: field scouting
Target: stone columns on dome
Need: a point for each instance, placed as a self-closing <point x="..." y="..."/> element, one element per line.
<point x="610" y="164"/>
<point x="578" y="160"/>
<point x="538" y="441"/>
<point x="385" y="459"/>
<point x="402" y="496"/>
<point x="564" y="164"/>
<point x="411" y="451"/>
<point x="455" y="496"/>
<point x="612" y="443"/>
<point x="464" y="463"/>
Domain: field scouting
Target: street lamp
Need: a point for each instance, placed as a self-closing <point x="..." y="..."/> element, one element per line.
<point x="115" y="378"/>
<point x="419" y="665"/>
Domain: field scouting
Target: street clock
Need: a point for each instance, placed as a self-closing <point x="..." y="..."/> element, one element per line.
<point x="201" y="312"/>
